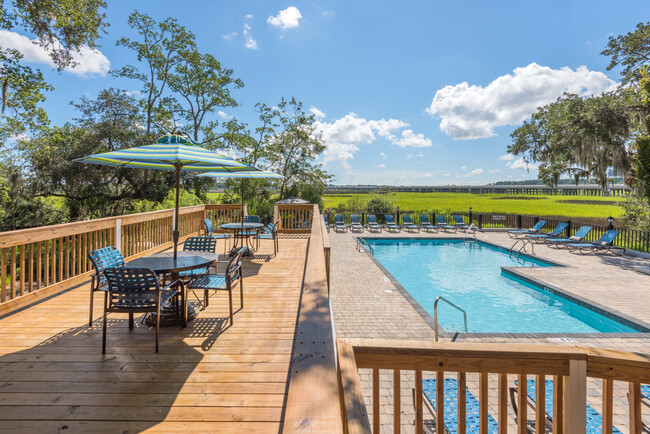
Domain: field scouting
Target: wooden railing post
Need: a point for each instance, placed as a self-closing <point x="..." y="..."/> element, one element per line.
<point x="575" y="397"/>
<point x="117" y="242"/>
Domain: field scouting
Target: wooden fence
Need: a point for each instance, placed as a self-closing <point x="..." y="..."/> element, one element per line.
<point x="295" y="218"/>
<point x="569" y="369"/>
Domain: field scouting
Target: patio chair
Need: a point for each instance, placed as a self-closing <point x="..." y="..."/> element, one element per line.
<point x="578" y="237"/>
<point x="327" y="223"/>
<point x="407" y="223"/>
<point x="270" y="233"/>
<point x="198" y="244"/>
<point x="442" y="223"/>
<point x="208" y="227"/>
<point x="339" y="224"/>
<point x="645" y="394"/>
<point x="355" y="223"/>
<point x="137" y="290"/>
<point x="460" y="224"/>
<point x="525" y="232"/>
<point x="222" y="282"/>
<point x="426" y="224"/>
<point x="390" y="223"/>
<point x="472" y="407"/>
<point x="594" y="419"/>
<point x="556" y="232"/>
<point x="251" y="219"/>
<point x="605" y="243"/>
<point x="372" y="223"/>
<point x="107" y="257"/>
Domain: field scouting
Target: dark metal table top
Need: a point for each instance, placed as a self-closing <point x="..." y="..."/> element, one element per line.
<point x="241" y="226"/>
<point x="165" y="263"/>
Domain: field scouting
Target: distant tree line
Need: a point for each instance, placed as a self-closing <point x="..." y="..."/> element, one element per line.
<point x="181" y="89"/>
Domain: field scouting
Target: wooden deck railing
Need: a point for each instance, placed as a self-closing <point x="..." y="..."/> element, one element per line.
<point x="569" y="367"/>
<point x="297" y="218"/>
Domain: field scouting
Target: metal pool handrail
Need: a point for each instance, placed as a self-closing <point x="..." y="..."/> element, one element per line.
<point x="361" y="241"/>
<point x="435" y="313"/>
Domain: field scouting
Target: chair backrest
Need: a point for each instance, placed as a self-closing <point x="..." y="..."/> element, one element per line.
<point x="424" y="219"/>
<point x="338" y="219"/>
<point x="389" y="219"/>
<point x="559" y="229"/>
<point x="251" y="219"/>
<point x="354" y="218"/>
<point x="539" y="225"/>
<point x="582" y="232"/>
<point x="372" y="219"/>
<point x="406" y="219"/>
<point x="107" y="257"/>
<point x="458" y="219"/>
<point x="137" y="287"/>
<point x="441" y="219"/>
<point x="208" y="226"/>
<point x="327" y="223"/>
<point x="608" y="237"/>
<point x="200" y="244"/>
<point x="233" y="270"/>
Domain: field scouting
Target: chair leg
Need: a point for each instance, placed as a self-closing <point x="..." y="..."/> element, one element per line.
<point x="92" y="295"/>
<point x="205" y="298"/>
<point x="131" y="321"/>
<point x="230" y="302"/>
<point x="241" y="292"/>
<point x="104" y="327"/>
<point x="157" y="326"/>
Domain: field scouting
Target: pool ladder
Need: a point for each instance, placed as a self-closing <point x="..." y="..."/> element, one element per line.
<point x="524" y="243"/>
<point x="360" y="242"/>
<point x="435" y="313"/>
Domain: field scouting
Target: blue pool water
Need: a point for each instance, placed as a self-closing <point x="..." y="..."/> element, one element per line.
<point x="468" y="273"/>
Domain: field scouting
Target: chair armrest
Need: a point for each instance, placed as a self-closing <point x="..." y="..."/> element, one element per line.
<point x="174" y="283"/>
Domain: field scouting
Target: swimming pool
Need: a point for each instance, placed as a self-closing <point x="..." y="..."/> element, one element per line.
<point x="468" y="273"/>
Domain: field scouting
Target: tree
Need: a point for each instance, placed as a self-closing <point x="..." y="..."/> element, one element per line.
<point x="631" y="51"/>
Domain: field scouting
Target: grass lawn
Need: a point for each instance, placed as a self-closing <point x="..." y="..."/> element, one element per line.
<point x="567" y="206"/>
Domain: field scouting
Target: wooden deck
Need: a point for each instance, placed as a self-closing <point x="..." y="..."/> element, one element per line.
<point x="208" y="377"/>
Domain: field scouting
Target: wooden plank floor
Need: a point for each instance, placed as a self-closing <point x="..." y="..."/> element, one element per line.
<point x="208" y="377"/>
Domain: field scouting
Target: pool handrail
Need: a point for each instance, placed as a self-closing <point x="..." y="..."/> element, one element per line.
<point x="435" y="313"/>
<point x="361" y="241"/>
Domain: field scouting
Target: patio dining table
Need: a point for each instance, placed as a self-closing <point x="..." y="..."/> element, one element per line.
<point x="241" y="232"/>
<point x="164" y="263"/>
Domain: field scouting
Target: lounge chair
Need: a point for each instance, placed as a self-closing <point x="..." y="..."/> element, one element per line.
<point x="578" y="237"/>
<point x="605" y="243"/>
<point x="426" y="224"/>
<point x="372" y="223"/>
<point x="460" y="224"/>
<point x="339" y="224"/>
<point x="524" y="233"/>
<point x="390" y="223"/>
<point x="594" y="419"/>
<point x="442" y="223"/>
<point x="355" y="223"/>
<point x="327" y="223"/>
<point x="472" y="414"/>
<point x="556" y="232"/>
<point x="407" y="223"/>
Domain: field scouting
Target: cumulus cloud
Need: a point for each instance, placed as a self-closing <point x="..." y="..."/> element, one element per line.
<point x="249" y="41"/>
<point x="90" y="62"/>
<point x="463" y="167"/>
<point x="229" y="36"/>
<point x="419" y="155"/>
<point x="286" y="19"/>
<point x="248" y="16"/>
<point x="223" y="115"/>
<point x="382" y="155"/>
<point x="317" y="113"/>
<point x="507" y="157"/>
<point x="380" y="166"/>
<point x="472" y="112"/>
<point x="385" y="127"/>
<point x="413" y="140"/>
<point x="520" y="164"/>
<point x="494" y="171"/>
<point x="476" y="171"/>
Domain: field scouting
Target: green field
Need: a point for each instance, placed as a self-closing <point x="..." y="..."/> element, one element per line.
<point x="567" y="206"/>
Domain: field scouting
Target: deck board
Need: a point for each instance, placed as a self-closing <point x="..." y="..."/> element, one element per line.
<point x="207" y="377"/>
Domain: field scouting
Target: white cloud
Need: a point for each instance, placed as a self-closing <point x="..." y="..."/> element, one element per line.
<point x="286" y="19"/>
<point x="317" y="113"/>
<point x="380" y="166"/>
<point x="447" y="174"/>
<point x="223" y="115"/>
<point x="386" y="127"/>
<point x="413" y="140"/>
<point x="229" y="36"/>
<point x="89" y="61"/>
<point x="409" y="156"/>
<point x="463" y="167"/>
<point x="520" y="164"/>
<point x="134" y="93"/>
<point x="507" y="157"/>
<point x="472" y="112"/>
<point x="248" y="16"/>
<point x="477" y="171"/>
<point x="249" y="41"/>
<point x="382" y="155"/>
<point x="428" y="175"/>
<point x="494" y="171"/>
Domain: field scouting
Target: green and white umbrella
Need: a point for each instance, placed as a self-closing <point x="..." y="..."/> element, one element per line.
<point x="170" y="152"/>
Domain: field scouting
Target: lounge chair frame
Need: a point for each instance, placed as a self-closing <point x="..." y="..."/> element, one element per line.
<point x="390" y="223"/>
<point x="519" y="234"/>
<point x="372" y="223"/>
<point x="442" y="223"/>
<point x="355" y="223"/>
<point x="339" y="223"/>
<point x="426" y="224"/>
<point x="408" y="224"/>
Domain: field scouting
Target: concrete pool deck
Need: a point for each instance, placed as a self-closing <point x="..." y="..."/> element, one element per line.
<point x="367" y="304"/>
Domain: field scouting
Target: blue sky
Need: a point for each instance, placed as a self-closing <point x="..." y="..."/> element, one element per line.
<point x="406" y="93"/>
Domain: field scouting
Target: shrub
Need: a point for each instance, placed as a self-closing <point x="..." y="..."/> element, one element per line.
<point x="636" y="213"/>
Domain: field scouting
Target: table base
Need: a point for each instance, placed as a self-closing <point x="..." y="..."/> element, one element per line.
<point x="168" y="316"/>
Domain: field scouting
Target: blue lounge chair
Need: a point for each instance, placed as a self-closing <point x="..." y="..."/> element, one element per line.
<point x="407" y="223"/>
<point x="578" y="237"/>
<point x="605" y="243"/>
<point x="390" y="223"/>
<point x="472" y="417"/>
<point x="556" y="232"/>
<point x="372" y="223"/>
<point x="327" y="223"/>
<point x="460" y="224"/>
<point x="339" y="224"/>
<point x="594" y="419"/>
<point x="524" y="233"/>
<point x="426" y="224"/>
<point x="442" y="223"/>
<point x="356" y="223"/>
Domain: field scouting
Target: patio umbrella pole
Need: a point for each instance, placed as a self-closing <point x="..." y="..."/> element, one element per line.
<point x="175" y="234"/>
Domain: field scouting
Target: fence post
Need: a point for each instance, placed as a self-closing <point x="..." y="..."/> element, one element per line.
<point x="518" y="221"/>
<point x="118" y="234"/>
<point x="480" y="221"/>
<point x="363" y="219"/>
<point x="398" y="221"/>
<point x="470" y="215"/>
<point x="568" y="228"/>
<point x="536" y="219"/>
<point x="575" y="397"/>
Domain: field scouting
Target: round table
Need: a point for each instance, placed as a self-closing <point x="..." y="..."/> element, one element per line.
<point x="162" y="263"/>
<point x="241" y="232"/>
